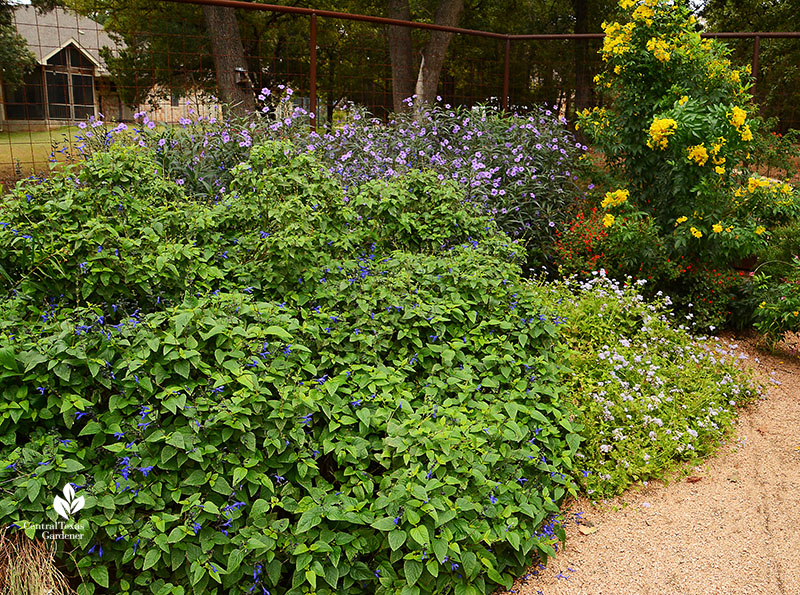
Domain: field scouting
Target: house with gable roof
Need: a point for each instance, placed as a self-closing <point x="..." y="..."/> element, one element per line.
<point x="71" y="81"/>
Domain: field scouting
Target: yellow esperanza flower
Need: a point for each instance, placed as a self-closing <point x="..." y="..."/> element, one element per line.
<point x="660" y="49"/>
<point x="608" y="220"/>
<point x="754" y="183"/>
<point x="747" y="134"/>
<point x="737" y="116"/>
<point x="617" y="38"/>
<point x="615" y="198"/>
<point x="698" y="154"/>
<point x="681" y="220"/>
<point x="626" y="4"/>
<point x="760" y="229"/>
<point x="660" y="129"/>
<point x="716" y="147"/>
<point x="643" y="13"/>
<point x="696" y="232"/>
<point x="683" y="100"/>
<point x="717" y="227"/>
<point x="720" y="169"/>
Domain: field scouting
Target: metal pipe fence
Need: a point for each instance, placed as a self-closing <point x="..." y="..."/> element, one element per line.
<point x="164" y="58"/>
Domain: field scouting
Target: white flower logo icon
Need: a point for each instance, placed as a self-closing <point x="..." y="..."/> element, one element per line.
<point x="69" y="504"/>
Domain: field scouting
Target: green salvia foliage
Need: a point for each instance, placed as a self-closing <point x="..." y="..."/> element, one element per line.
<point x="285" y="391"/>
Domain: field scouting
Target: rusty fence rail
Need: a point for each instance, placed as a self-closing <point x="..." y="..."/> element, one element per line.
<point x="330" y="58"/>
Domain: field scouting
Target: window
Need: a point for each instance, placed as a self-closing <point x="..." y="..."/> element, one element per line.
<point x="69" y="80"/>
<point x="27" y="101"/>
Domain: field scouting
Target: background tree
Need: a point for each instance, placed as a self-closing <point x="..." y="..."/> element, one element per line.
<point x="776" y="87"/>
<point x="177" y="48"/>
<point x="425" y="84"/>
<point x="16" y="60"/>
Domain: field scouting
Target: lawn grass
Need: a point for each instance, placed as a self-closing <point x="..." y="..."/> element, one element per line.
<point x="25" y="152"/>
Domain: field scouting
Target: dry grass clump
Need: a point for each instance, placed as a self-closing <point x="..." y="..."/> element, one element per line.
<point x="28" y="567"/>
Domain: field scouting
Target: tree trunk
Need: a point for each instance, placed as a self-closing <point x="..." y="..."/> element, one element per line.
<point x="400" y="54"/>
<point x="581" y="51"/>
<point x="233" y="79"/>
<point x="447" y="13"/>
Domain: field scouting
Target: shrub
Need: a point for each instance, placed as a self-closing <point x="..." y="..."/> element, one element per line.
<point x="200" y="151"/>
<point x="677" y="128"/>
<point x="284" y="391"/>
<point x="521" y="169"/>
<point x="628" y="244"/>
<point x="649" y="395"/>
<point x="779" y="310"/>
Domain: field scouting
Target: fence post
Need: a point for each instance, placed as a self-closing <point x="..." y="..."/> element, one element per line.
<point x="756" y="50"/>
<point x="312" y="102"/>
<point x="506" y="68"/>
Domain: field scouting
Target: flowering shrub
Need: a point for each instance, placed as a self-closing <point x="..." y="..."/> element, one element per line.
<point x="521" y="169"/>
<point x="648" y="394"/>
<point x="581" y="245"/>
<point x="199" y="152"/>
<point x="627" y="244"/>
<point x="677" y="128"/>
<point x="282" y="392"/>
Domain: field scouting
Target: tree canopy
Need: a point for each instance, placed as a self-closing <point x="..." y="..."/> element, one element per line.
<point x="779" y="59"/>
<point x="16" y="60"/>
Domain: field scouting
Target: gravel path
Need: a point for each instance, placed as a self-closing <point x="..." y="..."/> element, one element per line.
<point x="732" y="527"/>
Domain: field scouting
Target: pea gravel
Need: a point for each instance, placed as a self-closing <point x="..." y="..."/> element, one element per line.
<point x="730" y="526"/>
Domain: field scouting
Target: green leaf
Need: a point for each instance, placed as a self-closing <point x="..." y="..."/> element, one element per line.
<point x="90" y="428"/>
<point x="419" y="534"/>
<point x="311" y="577"/>
<point x="279" y="332"/>
<point x="181" y="320"/>
<point x="470" y="563"/>
<point x="384" y="524"/>
<point x="310" y="518"/>
<point x="331" y="575"/>
<point x="235" y="559"/>
<point x="495" y="576"/>
<point x="100" y="575"/>
<point x="238" y="475"/>
<point x="397" y="538"/>
<point x="413" y="570"/>
<point x="259" y="508"/>
<point x="574" y="441"/>
<point x="440" y="547"/>
<point x="221" y="486"/>
<point x="182" y="368"/>
<point x="71" y="465"/>
<point x="447" y="357"/>
<point x="151" y="558"/>
<point x="8" y="359"/>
